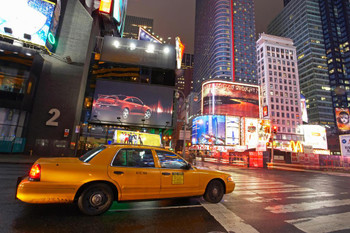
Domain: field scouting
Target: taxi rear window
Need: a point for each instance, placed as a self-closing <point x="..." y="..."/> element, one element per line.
<point x="91" y="154"/>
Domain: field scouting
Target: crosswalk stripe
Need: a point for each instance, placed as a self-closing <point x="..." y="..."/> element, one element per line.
<point x="267" y="187"/>
<point x="227" y="219"/>
<point x="271" y="191"/>
<point x="305" y="206"/>
<point x="311" y="195"/>
<point x="327" y="223"/>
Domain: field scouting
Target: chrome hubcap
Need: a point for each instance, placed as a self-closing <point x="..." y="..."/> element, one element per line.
<point x="96" y="199"/>
<point x="215" y="191"/>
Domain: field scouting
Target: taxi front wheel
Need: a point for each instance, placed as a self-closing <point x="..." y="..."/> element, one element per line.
<point x="95" y="199"/>
<point x="214" y="191"/>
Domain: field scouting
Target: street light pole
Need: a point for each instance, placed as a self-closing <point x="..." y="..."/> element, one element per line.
<point x="185" y="124"/>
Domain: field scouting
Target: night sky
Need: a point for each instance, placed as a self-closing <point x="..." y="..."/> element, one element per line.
<point x="176" y="17"/>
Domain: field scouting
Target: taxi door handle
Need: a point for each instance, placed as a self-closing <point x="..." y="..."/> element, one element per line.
<point x="166" y="173"/>
<point x="118" y="172"/>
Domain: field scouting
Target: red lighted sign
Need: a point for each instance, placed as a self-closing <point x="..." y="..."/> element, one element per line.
<point x="105" y="6"/>
<point x="265" y="111"/>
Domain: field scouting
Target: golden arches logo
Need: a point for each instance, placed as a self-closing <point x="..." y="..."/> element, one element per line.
<point x="296" y="147"/>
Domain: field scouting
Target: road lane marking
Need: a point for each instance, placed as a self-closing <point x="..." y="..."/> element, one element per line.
<point x="262" y="199"/>
<point x="327" y="223"/>
<point x="156" y="208"/>
<point x="305" y="206"/>
<point x="227" y="219"/>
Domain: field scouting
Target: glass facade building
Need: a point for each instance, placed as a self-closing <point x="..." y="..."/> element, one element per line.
<point x="224" y="41"/>
<point x="301" y="21"/>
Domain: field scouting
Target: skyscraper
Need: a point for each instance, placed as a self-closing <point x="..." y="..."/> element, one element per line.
<point x="336" y="32"/>
<point x="300" y="20"/>
<point x="224" y="41"/>
<point x="132" y="24"/>
<point x="279" y="81"/>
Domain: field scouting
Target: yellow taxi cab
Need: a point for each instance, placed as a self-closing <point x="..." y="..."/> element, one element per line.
<point x="119" y="173"/>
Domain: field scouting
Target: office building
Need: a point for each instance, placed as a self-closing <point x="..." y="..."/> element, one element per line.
<point x="132" y="24"/>
<point x="224" y="41"/>
<point x="279" y="82"/>
<point x="300" y="21"/>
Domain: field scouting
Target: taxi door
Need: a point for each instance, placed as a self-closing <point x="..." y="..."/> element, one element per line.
<point x="176" y="181"/>
<point x="135" y="172"/>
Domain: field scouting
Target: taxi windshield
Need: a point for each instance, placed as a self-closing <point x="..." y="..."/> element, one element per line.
<point x="91" y="154"/>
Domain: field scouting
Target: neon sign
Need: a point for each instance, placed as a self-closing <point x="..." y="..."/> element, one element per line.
<point x="296" y="146"/>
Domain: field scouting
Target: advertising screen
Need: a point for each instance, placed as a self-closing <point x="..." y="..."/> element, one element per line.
<point x="129" y="103"/>
<point x="229" y="98"/>
<point x="315" y="136"/>
<point x="144" y="35"/>
<point x="303" y="109"/>
<point x="343" y="120"/>
<point x="251" y="136"/>
<point x="30" y="17"/>
<point x="232" y="130"/>
<point x="345" y="145"/>
<point x="208" y="129"/>
<point x="119" y="14"/>
<point x="136" y="138"/>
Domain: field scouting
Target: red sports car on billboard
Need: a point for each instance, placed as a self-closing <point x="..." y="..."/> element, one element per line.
<point x="129" y="105"/>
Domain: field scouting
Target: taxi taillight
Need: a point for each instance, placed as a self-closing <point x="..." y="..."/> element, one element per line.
<point x="35" y="172"/>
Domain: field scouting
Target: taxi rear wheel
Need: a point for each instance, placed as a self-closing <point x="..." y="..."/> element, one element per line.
<point x="95" y="199"/>
<point x="214" y="191"/>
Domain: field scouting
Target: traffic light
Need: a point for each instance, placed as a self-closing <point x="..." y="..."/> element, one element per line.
<point x="267" y="143"/>
<point x="274" y="129"/>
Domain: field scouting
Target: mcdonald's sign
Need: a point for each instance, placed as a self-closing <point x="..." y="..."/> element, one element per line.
<point x="296" y="146"/>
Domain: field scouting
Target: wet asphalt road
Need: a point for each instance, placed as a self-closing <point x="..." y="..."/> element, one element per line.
<point x="264" y="201"/>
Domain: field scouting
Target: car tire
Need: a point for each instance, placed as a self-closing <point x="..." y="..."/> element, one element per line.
<point x="95" y="199"/>
<point x="148" y="114"/>
<point x="125" y="113"/>
<point x="214" y="191"/>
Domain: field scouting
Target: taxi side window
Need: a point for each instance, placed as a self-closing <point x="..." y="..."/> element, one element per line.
<point x="170" y="160"/>
<point x="134" y="158"/>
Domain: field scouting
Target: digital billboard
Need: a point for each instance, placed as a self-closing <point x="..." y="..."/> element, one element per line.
<point x="208" y="129"/>
<point x="27" y="20"/>
<point x="343" y="119"/>
<point x="345" y="145"/>
<point x="232" y="130"/>
<point x="144" y="35"/>
<point x="315" y="136"/>
<point x="136" y="138"/>
<point x="119" y="14"/>
<point x="304" y="116"/>
<point x="251" y="136"/>
<point x="229" y="98"/>
<point x="130" y="103"/>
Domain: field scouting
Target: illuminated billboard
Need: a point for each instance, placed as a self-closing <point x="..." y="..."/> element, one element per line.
<point x="27" y="20"/>
<point x="315" y="136"/>
<point x="303" y="109"/>
<point x="229" y="98"/>
<point x="232" y="130"/>
<point x="251" y="136"/>
<point x="144" y="35"/>
<point x="136" y="138"/>
<point x="119" y="14"/>
<point x="343" y="119"/>
<point x="345" y="145"/>
<point x="129" y="103"/>
<point x="208" y="129"/>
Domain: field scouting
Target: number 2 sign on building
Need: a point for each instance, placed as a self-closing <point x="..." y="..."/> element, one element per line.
<point x="55" y="115"/>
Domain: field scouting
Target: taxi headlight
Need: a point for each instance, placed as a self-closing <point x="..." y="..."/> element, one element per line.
<point x="230" y="179"/>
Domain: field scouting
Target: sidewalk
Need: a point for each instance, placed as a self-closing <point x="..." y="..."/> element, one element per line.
<point x="18" y="158"/>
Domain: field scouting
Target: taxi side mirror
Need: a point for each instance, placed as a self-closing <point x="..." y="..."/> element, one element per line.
<point x="188" y="166"/>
